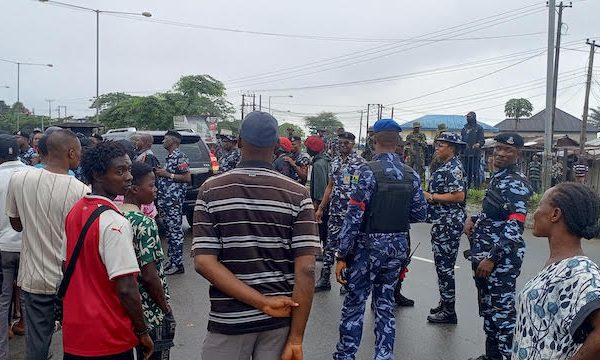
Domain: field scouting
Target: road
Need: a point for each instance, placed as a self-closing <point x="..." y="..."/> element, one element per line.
<point x="415" y="338"/>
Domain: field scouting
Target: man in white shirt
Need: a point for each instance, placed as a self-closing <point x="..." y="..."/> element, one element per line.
<point x="10" y="240"/>
<point x="37" y="203"/>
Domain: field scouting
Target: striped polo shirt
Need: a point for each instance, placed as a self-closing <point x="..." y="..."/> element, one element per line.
<point x="256" y="221"/>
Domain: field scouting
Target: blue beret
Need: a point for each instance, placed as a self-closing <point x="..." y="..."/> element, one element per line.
<point x="386" y="125"/>
<point x="510" y="138"/>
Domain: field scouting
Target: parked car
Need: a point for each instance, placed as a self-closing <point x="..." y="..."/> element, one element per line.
<point x="203" y="163"/>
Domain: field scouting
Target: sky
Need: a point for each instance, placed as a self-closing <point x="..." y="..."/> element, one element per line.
<point x="421" y="57"/>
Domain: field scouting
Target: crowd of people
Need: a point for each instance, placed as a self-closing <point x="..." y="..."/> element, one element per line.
<point x="82" y="236"/>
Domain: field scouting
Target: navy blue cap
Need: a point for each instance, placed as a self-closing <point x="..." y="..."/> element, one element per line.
<point x="23" y="133"/>
<point x="9" y="149"/>
<point x="347" y="136"/>
<point x="510" y="138"/>
<point x="259" y="129"/>
<point x="450" y="137"/>
<point x="386" y="125"/>
<point x="175" y="134"/>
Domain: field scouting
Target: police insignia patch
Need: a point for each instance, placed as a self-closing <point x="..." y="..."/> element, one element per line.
<point x="457" y="173"/>
<point x="510" y="141"/>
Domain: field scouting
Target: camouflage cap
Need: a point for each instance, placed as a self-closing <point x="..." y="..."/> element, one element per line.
<point x="450" y="137"/>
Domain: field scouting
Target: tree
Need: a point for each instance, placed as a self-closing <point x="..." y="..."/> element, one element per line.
<point x="297" y="130"/>
<point x="191" y="95"/>
<point x="518" y="108"/>
<point x="324" y="120"/>
<point x="594" y="118"/>
<point x="231" y="125"/>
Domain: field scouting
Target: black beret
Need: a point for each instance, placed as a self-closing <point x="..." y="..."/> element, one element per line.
<point x="174" y="134"/>
<point x="347" y="136"/>
<point x="296" y="138"/>
<point x="512" y="139"/>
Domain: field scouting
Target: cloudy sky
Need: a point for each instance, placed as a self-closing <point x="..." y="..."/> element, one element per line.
<point x="420" y="57"/>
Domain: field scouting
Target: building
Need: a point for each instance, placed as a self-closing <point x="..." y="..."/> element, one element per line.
<point x="455" y="123"/>
<point x="82" y="127"/>
<point x="564" y="124"/>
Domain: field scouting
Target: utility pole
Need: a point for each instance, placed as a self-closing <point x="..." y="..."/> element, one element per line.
<point x="586" y="102"/>
<point x="259" y="102"/>
<point x="58" y="111"/>
<point x="253" y="102"/>
<point x="360" y="128"/>
<point x="49" y="112"/>
<point x="64" y="107"/>
<point x="547" y="159"/>
<point x="561" y="6"/>
<point x="392" y="112"/>
<point x="243" y="105"/>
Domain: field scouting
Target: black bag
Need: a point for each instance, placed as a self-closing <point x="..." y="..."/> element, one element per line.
<point x="495" y="205"/>
<point x="64" y="284"/>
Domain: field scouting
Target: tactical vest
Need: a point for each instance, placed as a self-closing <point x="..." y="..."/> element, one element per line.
<point x="389" y="208"/>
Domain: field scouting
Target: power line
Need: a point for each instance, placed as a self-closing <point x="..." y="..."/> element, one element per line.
<point x="382" y="48"/>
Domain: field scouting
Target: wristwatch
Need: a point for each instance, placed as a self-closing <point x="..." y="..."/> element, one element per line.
<point x="172" y="176"/>
<point x="339" y="257"/>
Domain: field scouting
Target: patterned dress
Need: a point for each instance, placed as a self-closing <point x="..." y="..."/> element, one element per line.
<point x="552" y="309"/>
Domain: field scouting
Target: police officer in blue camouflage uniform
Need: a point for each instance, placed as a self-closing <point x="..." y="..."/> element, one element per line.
<point x="230" y="156"/>
<point x="333" y="146"/>
<point x="446" y="211"/>
<point x="27" y="152"/>
<point x="298" y="160"/>
<point x="497" y="246"/>
<point x="343" y="177"/>
<point x="172" y="181"/>
<point x="373" y="242"/>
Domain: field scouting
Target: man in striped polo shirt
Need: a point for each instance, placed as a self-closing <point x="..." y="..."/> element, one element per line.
<point x="255" y="240"/>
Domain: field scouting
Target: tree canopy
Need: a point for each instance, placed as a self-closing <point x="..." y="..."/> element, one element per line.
<point x="323" y="120"/>
<point x="191" y="95"/>
<point x="297" y="130"/>
<point x="17" y="116"/>
<point x="518" y="108"/>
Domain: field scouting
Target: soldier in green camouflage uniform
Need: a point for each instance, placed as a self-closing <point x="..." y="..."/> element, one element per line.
<point x="417" y="144"/>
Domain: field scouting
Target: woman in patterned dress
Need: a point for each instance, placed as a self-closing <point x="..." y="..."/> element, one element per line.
<point x="558" y="311"/>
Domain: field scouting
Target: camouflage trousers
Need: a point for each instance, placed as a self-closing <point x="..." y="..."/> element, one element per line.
<point x="445" y="241"/>
<point x="171" y="211"/>
<point x="497" y="301"/>
<point x="376" y="268"/>
<point x="334" y="225"/>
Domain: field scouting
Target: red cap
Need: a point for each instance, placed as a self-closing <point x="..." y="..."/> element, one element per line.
<point x="285" y="144"/>
<point x="314" y="143"/>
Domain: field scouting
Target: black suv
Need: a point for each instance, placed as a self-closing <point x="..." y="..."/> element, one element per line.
<point x="202" y="163"/>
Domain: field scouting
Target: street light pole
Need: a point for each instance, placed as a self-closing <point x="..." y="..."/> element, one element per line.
<point x="18" y="81"/>
<point x="97" y="11"/>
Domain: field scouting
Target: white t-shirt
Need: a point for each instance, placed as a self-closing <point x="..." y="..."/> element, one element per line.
<point x="552" y="309"/>
<point x="42" y="200"/>
<point x="10" y="240"/>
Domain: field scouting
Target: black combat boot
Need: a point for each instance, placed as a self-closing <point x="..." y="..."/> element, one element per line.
<point x="403" y="301"/>
<point x="323" y="284"/>
<point x="491" y="351"/>
<point x="436" y="309"/>
<point x="443" y="317"/>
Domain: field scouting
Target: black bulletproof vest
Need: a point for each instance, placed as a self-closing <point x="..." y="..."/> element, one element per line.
<point x="389" y="208"/>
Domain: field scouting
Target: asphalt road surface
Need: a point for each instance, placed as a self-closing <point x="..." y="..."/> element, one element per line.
<point x="415" y="338"/>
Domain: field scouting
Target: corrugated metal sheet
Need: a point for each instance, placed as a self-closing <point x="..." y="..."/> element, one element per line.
<point x="455" y="123"/>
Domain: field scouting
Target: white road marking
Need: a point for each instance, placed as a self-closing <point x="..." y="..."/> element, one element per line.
<point x="429" y="261"/>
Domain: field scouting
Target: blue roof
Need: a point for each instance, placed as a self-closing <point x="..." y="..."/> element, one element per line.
<point x="455" y="123"/>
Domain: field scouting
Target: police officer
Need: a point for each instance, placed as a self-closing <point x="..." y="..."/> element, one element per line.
<point x="298" y="160"/>
<point x="373" y="242"/>
<point x="230" y="156"/>
<point x="343" y="177"/>
<point x="172" y="181"/>
<point x="472" y="134"/>
<point x="417" y="145"/>
<point x="367" y="154"/>
<point x="333" y="147"/>
<point x="435" y="162"/>
<point x="446" y="211"/>
<point x="497" y="246"/>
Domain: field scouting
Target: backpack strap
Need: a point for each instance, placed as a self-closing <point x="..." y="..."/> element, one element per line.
<point x="64" y="284"/>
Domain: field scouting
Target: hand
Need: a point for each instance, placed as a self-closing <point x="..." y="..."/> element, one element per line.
<point x="147" y="346"/>
<point x="485" y="268"/>
<point x="319" y="215"/>
<point x="469" y="226"/>
<point x="278" y="306"/>
<point x="292" y="351"/>
<point x="289" y="160"/>
<point x="339" y="267"/>
<point x="161" y="172"/>
<point x="428" y="197"/>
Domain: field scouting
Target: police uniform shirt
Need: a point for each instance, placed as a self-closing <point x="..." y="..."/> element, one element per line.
<point x="229" y="160"/>
<point x="344" y="173"/>
<point x="176" y="163"/>
<point x="448" y="178"/>
<point x="495" y="239"/>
